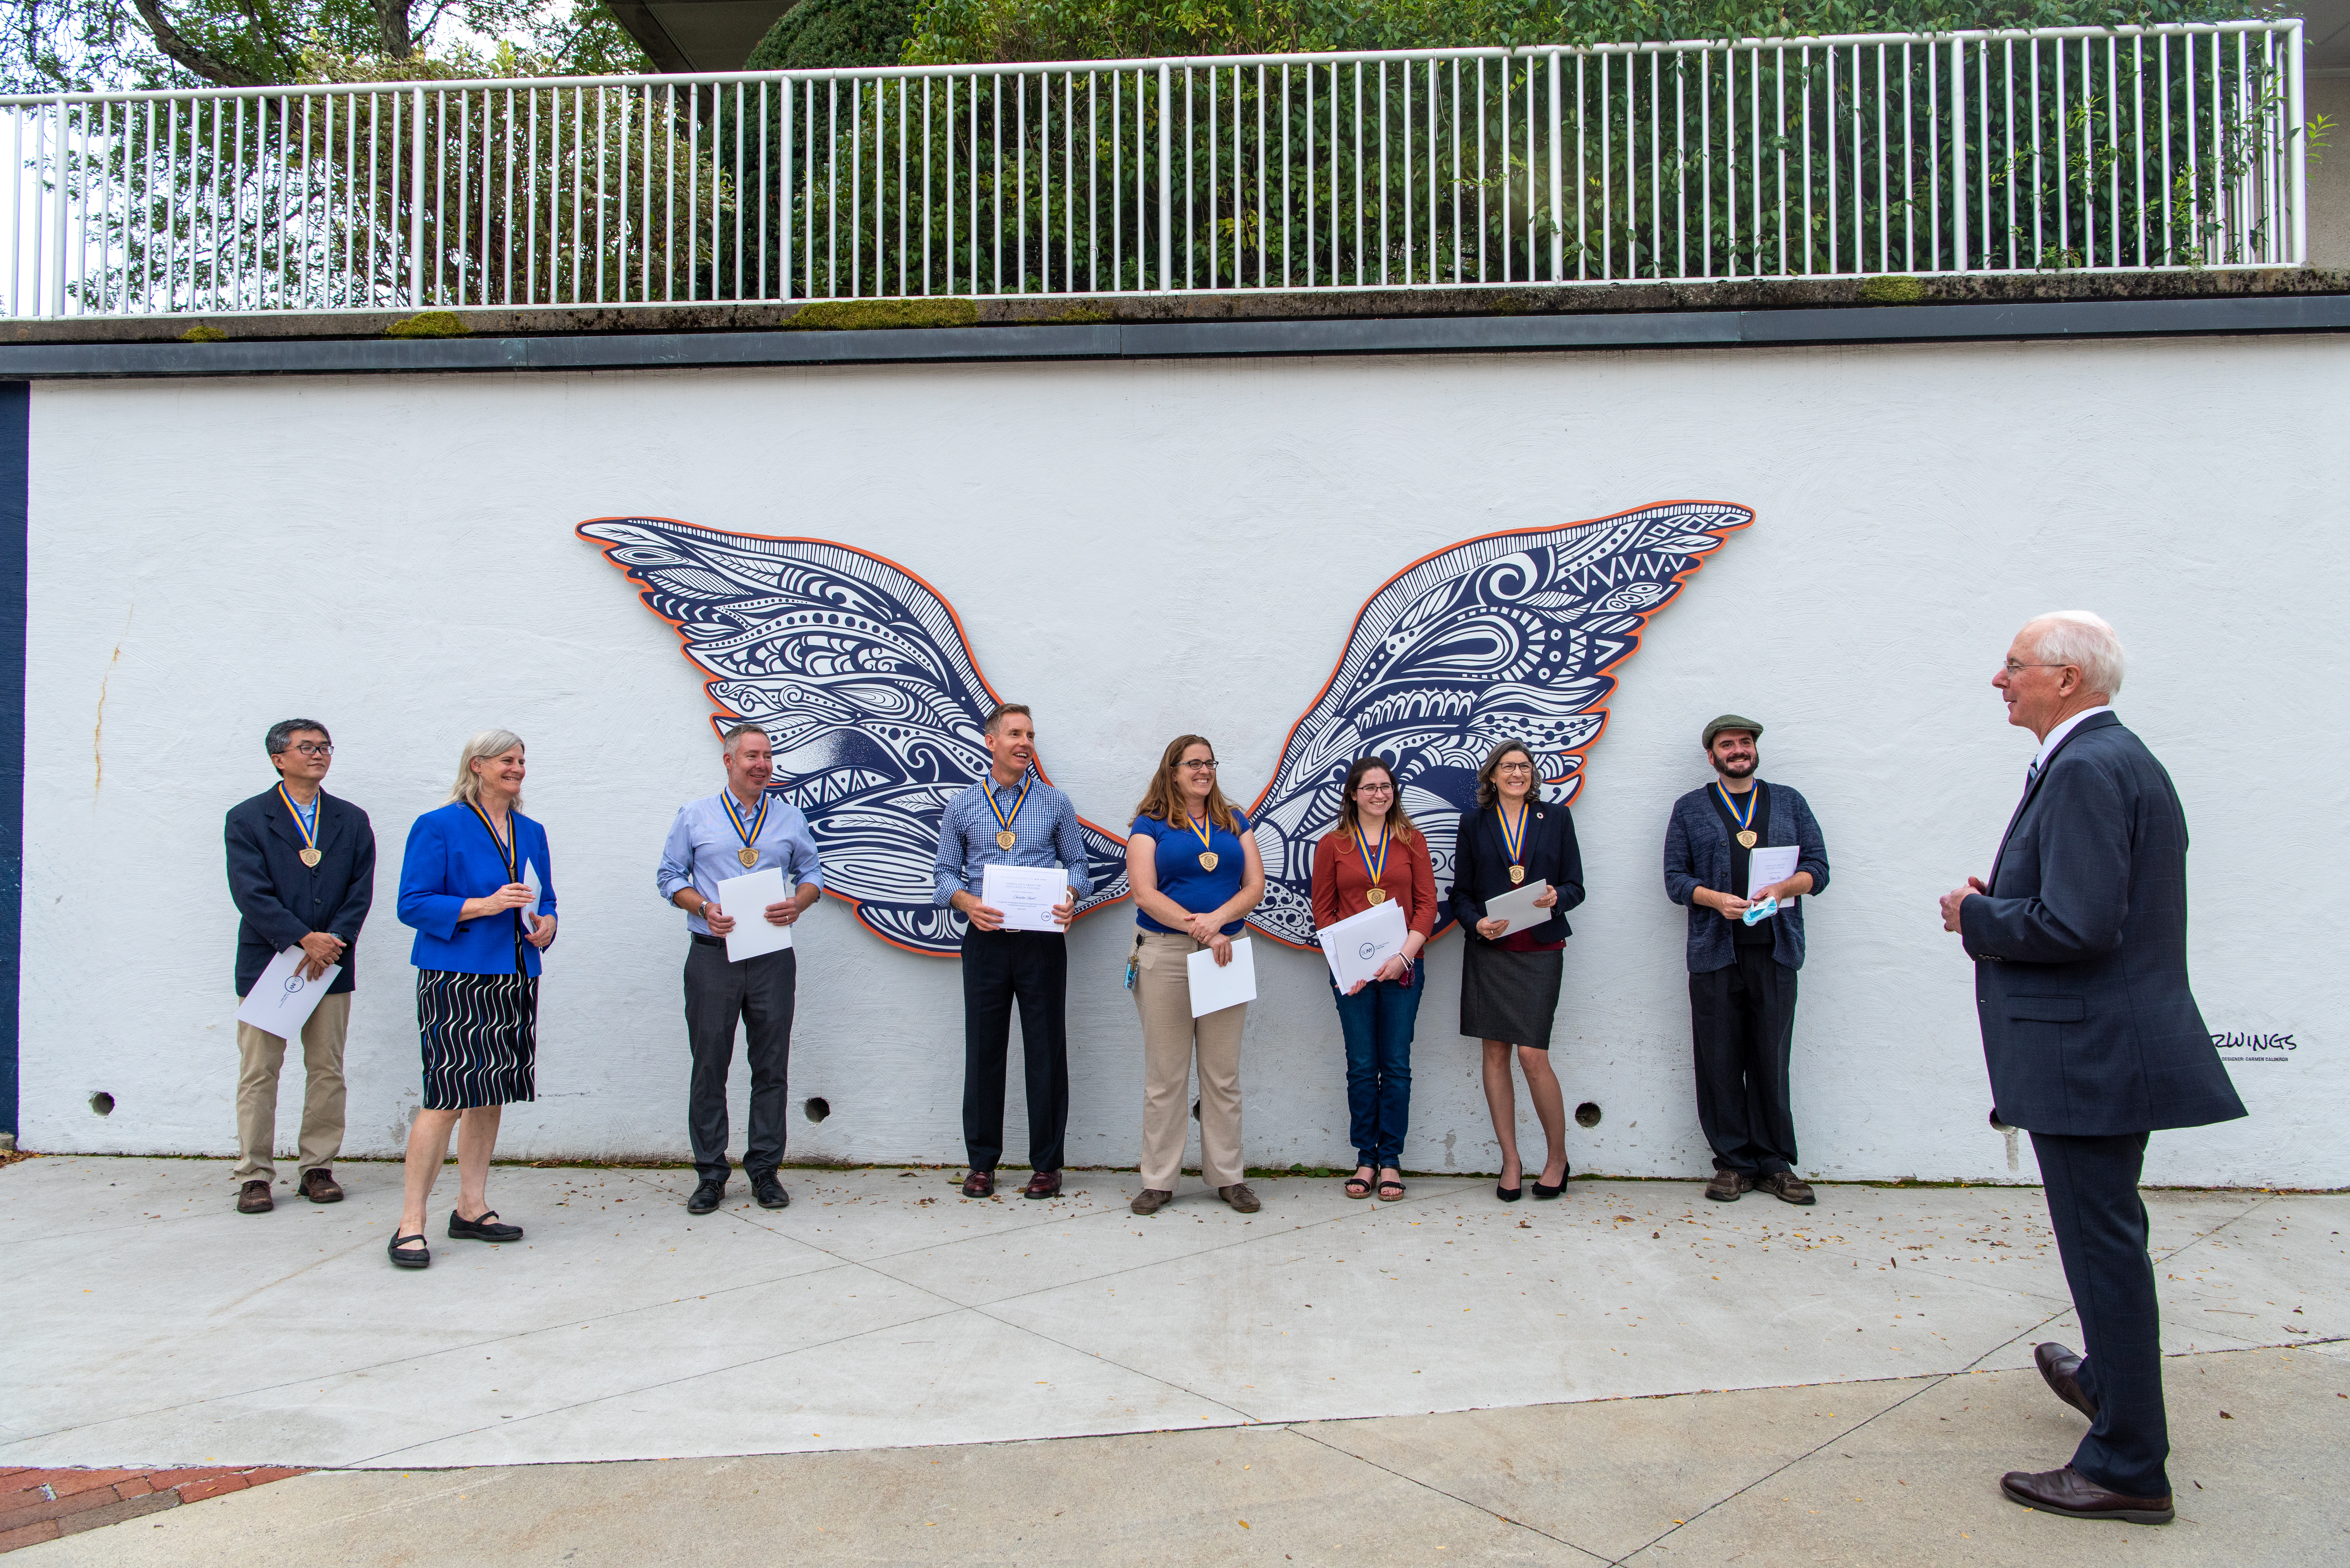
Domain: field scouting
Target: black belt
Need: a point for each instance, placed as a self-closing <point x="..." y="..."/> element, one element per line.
<point x="707" y="941"/>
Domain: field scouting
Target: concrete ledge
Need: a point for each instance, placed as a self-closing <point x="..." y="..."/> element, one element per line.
<point x="2247" y="313"/>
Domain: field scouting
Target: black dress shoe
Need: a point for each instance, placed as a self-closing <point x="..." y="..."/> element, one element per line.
<point x="1509" y="1194"/>
<point x="485" y="1228"/>
<point x="2069" y="1492"/>
<point x="768" y="1188"/>
<point x="706" y="1197"/>
<point x="1548" y="1193"/>
<point x="2061" y="1369"/>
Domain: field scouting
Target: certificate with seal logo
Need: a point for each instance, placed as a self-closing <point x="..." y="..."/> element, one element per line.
<point x="1356" y="946"/>
<point x="281" y="1001"/>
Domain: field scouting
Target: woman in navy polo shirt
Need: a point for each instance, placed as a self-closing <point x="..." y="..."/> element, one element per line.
<point x="464" y="885"/>
<point x="1195" y="871"/>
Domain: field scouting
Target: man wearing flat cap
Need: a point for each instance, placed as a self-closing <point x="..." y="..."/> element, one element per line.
<point x="1742" y="975"/>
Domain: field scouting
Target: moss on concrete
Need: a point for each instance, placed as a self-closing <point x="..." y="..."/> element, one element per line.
<point x="202" y="333"/>
<point x="877" y="315"/>
<point x="430" y="324"/>
<point x="1892" y="290"/>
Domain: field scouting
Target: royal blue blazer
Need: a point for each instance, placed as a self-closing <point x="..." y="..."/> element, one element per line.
<point x="451" y="857"/>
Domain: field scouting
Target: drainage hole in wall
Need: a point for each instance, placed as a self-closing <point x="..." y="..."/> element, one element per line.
<point x="102" y="1103"/>
<point x="1586" y="1115"/>
<point x="817" y="1108"/>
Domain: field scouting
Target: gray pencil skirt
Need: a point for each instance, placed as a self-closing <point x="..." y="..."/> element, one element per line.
<point x="1511" y="997"/>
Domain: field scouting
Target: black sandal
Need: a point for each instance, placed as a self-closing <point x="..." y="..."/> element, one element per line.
<point x="1357" y="1187"/>
<point x="421" y="1258"/>
<point x="1390" y="1191"/>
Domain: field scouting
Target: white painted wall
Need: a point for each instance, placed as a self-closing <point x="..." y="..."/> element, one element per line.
<point x="1140" y="549"/>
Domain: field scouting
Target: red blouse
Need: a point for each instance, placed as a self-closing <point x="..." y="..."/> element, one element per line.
<point x="1341" y="881"/>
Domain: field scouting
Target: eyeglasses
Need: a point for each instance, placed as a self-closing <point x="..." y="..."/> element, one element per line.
<point x="2011" y="667"/>
<point x="1207" y="767"/>
<point x="1375" y="789"/>
<point x="1515" y="768"/>
<point x="315" y="748"/>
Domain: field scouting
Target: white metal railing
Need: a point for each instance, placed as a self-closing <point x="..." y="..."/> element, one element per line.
<point x="2104" y="150"/>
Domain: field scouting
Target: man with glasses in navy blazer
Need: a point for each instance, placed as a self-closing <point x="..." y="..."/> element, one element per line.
<point x="301" y="867"/>
<point x="2093" y="1038"/>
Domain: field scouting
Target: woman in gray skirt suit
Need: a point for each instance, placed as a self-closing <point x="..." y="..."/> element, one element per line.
<point x="1509" y="983"/>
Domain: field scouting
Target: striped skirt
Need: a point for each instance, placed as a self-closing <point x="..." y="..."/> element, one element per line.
<point x="481" y="1038"/>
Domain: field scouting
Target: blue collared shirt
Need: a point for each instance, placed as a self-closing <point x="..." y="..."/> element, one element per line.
<point x="704" y="850"/>
<point x="1045" y="834"/>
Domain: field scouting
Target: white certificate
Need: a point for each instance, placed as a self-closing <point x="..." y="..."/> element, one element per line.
<point x="1024" y="895"/>
<point x="745" y="900"/>
<point x="281" y="1001"/>
<point x="529" y="913"/>
<point x="1356" y="946"/>
<point x="1517" y="906"/>
<point x="1765" y="867"/>
<point x="1215" y="988"/>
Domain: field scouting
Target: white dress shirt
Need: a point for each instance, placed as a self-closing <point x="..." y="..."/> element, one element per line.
<point x="2056" y="736"/>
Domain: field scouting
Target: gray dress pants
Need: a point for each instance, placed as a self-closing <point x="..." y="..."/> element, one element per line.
<point x="756" y="993"/>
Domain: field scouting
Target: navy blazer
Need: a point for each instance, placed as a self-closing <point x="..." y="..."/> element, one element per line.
<point x="2080" y="949"/>
<point x="283" y="900"/>
<point x="1696" y="854"/>
<point x="1481" y="867"/>
<point x="451" y="857"/>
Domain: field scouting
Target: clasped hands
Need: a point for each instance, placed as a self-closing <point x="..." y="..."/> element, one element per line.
<point x="1491" y="930"/>
<point x="537" y="930"/>
<point x="1955" y="897"/>
<point x="1731" y="906"/>
<point x="320" y="949"/>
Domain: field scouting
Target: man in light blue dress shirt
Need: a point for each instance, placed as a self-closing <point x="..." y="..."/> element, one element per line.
<point x="742" y="829"/>
<point x="1012" y="818"/>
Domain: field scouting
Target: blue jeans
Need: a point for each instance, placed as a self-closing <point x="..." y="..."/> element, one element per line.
<point x="1378" y="1022"/>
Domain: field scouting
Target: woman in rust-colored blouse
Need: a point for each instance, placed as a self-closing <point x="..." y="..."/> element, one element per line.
<point x="1375" y="855"/>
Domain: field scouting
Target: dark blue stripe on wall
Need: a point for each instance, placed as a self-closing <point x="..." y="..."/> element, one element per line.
<point x="15" y="469"/>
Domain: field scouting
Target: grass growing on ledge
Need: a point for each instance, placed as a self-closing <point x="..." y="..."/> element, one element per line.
<point x="870" y="315"/>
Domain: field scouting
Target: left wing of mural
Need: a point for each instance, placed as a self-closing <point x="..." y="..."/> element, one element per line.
<point x="861" y="675"/>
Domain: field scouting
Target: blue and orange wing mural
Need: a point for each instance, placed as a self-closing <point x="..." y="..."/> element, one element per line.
<point x="862" y="676"/>
<point x="1506" y="636"/>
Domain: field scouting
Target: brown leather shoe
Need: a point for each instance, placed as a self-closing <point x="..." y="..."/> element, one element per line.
<point x="1243" y="1200"/>
<point x="253" y="1198"/>
<point x="2061" y="1369"/>
<point x="2069" y="1492"/>
<point x="979" y="1183"/>
<point x="1727" y="1185"/>
<point x="1043" y="1184"/>
<point x="1787" y="1187"/>
<point x="1151" y="1200"/>
<point x="319" y="1186"/>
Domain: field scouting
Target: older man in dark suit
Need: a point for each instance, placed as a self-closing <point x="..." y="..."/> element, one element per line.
<point x="2092" y="1038"/>
<point x="301" y="867"/>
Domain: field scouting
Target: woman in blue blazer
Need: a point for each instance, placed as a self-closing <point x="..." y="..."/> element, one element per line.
<point x="1509" y="979"/>
<point x="478" y="885"/>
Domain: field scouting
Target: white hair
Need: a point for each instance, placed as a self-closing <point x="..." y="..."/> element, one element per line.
<point x="482" y="747"/>
<point x="2082" y="639"/>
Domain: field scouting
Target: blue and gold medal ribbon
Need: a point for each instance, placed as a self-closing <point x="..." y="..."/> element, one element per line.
<point x="1377" y="870"/>
<point x="1513" y="834"/>
<point x="1745" y="819"/>
<point x="749" y="854"/>
<point x="1204" y="832"/>
<point x="1004" y="837"/>
<point x="309" y="835"/>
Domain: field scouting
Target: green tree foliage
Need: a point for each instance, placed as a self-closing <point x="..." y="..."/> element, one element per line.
<point x="1003" y="31"/>
<point x="815" y="33"/>
<point x="48" y="45"/>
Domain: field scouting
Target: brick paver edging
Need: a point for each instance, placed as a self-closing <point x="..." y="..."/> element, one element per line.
<point x="41" y="1505"/>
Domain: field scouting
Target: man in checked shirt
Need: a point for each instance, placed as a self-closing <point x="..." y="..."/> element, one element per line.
<point x="1012" y="818"/>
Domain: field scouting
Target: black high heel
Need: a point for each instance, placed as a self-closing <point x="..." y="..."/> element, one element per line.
<point x="1510" y="1194"/>
<point x="1563" y="1176"/>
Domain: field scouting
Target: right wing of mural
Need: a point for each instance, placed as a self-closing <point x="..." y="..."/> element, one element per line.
<point x="1507" y="637"/>
<point x="861" y="675"/>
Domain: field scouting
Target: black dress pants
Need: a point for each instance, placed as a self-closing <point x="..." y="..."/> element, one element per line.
<point x="2101" y="1234"/>
<point x="757" y="993"/>
<point x="998" y="968"/>
<point x="1742" y="1019"/>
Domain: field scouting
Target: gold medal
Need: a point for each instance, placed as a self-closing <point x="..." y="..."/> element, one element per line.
<point x="1375" y="871"/>
<point x="309" y="856"/>
<point x="309" y="850"/>
<point x="1208" y="860"/>
<point x="1514" y="839"/>
<point x="1517" y="875"/>
<point x="1206" y="834"/>
<point x="1376" y="896"/>
<point x="1746" y="838"/>
<point x="747" y="856"/>
<point x="1005" y="840"/>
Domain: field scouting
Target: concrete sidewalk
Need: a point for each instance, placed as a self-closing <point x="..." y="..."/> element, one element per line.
<point x="1874" y="1351"/>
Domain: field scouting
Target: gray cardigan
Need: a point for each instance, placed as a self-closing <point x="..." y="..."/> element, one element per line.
<point x="1696" y="854"/>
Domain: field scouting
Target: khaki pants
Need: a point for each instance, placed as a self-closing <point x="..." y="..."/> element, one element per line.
<point x="259" y="1056"/>
<point x="1171" y="1037"/>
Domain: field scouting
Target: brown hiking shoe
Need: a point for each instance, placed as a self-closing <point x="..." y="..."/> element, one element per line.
<point x="319" y="1186"/>
<point x="1151" y="1200"/>
<point x="1787" y="1187"/>
<point x="253" y="1198"/>
<point x="1727" y="1185"/>
<point x="1243" y="1200"/>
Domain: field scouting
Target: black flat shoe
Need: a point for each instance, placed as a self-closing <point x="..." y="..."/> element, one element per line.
<point x="420" y="1257"/>
<point x="1510" y="1194"/>
<point x="769" y="1190"/>
<point x="485" y="1228"/>
<point x="706" y="1198"/>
